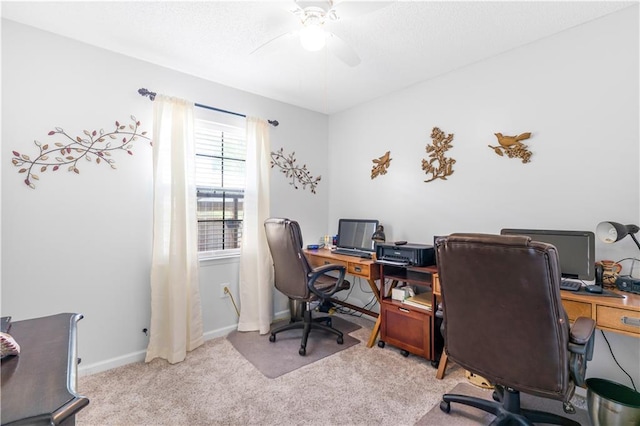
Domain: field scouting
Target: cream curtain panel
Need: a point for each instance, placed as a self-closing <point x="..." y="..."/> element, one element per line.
<point x="176" y="313"/>
<point x="256" y="266"/>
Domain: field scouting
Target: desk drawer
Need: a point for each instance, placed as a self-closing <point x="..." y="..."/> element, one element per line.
<point x="577" y="309"/>
<point x="406" y="328"/>
<point x="316" y="261"/>
<point x="358" y="270"/>
<point x="620" y="319"/>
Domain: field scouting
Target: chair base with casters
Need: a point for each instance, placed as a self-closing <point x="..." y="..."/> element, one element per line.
<point x="307" y="325"/>
<point x="507" y="409"/>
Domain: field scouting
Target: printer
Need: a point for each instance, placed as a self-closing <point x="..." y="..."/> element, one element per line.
<point x="408" y="254"/>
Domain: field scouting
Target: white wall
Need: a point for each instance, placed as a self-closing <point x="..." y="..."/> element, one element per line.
<point x="577" y="92"/>
<point x="82" y="243"/>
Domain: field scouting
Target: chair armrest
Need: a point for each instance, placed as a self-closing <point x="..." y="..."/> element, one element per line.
<point x="582" y="330"/>
<point x="322" y="270"/>
<point x="581" y="337"/>
<point x="581" y="342"/>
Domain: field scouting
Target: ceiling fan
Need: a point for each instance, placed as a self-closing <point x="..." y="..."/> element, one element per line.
<point x="312" y="32"/>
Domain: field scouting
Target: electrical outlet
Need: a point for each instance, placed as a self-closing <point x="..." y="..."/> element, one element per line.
<point x="224" y="289"/>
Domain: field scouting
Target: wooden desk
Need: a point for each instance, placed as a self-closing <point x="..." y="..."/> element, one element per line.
<point x="610" y="313"/>
<point x="38" y="386"/>
<point x="618" y="315"/>
<point x="358" y="267"/>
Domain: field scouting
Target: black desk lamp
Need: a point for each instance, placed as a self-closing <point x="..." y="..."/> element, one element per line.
<point x="610" y="232"/>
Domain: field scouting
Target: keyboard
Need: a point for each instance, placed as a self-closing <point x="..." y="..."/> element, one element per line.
<point x="351" y="252"/>
<point x="570" y="285"/>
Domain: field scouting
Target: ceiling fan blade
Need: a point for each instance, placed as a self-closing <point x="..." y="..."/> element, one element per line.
<point x="352" y="9"/>
<point x="342" y="50"/>
<point x="294" y="8"/>
<point x="271" y="45"/>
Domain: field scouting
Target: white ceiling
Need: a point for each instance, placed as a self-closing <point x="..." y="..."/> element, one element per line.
<point x="401" y="44"/>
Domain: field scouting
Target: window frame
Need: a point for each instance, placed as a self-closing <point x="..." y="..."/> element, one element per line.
<point x="237" y="126"/>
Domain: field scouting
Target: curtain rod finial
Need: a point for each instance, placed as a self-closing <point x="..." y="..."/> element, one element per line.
<point x="145" y="92"/>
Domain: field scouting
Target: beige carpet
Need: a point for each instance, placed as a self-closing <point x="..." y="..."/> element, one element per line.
<point x="216" y="385"/>
<point x="463" y="415"/>
<point x="273" y="359"/>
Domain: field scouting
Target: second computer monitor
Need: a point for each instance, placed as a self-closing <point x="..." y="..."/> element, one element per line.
<point x="576" y="249"/>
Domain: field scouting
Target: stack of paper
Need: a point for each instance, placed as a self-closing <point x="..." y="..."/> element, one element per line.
<point x="422" y="301"/>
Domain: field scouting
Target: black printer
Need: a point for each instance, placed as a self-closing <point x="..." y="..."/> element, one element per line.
<point x="408" y="254"/>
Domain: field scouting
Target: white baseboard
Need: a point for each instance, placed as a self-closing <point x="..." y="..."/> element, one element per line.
<point x="139" y="356"/>
<point x="98" y="367"/>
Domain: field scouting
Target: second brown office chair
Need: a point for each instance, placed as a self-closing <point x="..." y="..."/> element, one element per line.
<point x="294" y="277"/>
<point x="504" y="320"/>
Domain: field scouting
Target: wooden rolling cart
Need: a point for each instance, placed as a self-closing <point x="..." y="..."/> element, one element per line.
<point x="412" y="329"/>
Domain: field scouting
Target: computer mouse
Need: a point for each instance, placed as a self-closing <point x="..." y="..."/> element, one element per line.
<point x="593" y="289"/>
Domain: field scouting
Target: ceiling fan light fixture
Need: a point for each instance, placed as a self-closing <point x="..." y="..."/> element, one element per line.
<point x="312" y="37"/>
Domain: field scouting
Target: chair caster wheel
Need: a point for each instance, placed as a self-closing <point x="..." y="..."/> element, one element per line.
<point x="568" y="408"/>
<point x="404" y="353"/>
<point x="381" y="344"/>
<point x="272" y="338"/>
<point x="435" y="363"/>
<point x="498" y="394"/>
<point x="302" y="351"/>
<point x="445" y="406"/>
<point x="340" y="340"/>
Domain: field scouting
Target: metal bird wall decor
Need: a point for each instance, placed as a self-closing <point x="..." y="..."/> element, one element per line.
<point x="512" y="147"/>
<point x="380" y="165"/>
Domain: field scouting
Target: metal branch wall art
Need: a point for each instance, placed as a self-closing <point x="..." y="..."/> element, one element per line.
<point x="380" y="165"/>
<point x="438" y="166"/>
<point x="287" y="165"/>
<point x="512" y="147"/>
<point x="96" y="145"/>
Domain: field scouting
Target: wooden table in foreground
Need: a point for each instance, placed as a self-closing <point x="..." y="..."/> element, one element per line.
<point x="358" y="267"/>
<point x="616" y="314"/>
<point x="38" y="386"/>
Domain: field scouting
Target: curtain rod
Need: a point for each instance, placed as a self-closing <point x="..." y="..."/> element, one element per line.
<point x="152" y="96"/>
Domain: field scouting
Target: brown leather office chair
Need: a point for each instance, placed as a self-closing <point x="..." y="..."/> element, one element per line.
<point x="504" y="320"/>
<point x="295" y="278"/>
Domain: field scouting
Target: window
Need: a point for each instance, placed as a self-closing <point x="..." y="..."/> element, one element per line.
<point x="220" y="179"/>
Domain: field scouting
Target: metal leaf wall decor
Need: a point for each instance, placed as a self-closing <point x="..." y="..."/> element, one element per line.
<point x="288" y="166"/>
<point x="438" y="165"/>
<point x="380" y="165"/>
<point x="67" y="151"/>
<point x="512" y="147"/>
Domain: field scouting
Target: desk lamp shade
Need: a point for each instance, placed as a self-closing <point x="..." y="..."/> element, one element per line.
<point x="610" y="232"/>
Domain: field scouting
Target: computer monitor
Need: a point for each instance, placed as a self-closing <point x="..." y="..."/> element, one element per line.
<point x="356" y="234"/>
<point x="576" y="250"/>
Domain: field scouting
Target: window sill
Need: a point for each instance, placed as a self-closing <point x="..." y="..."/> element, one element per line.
<point x="206" y="259"/>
